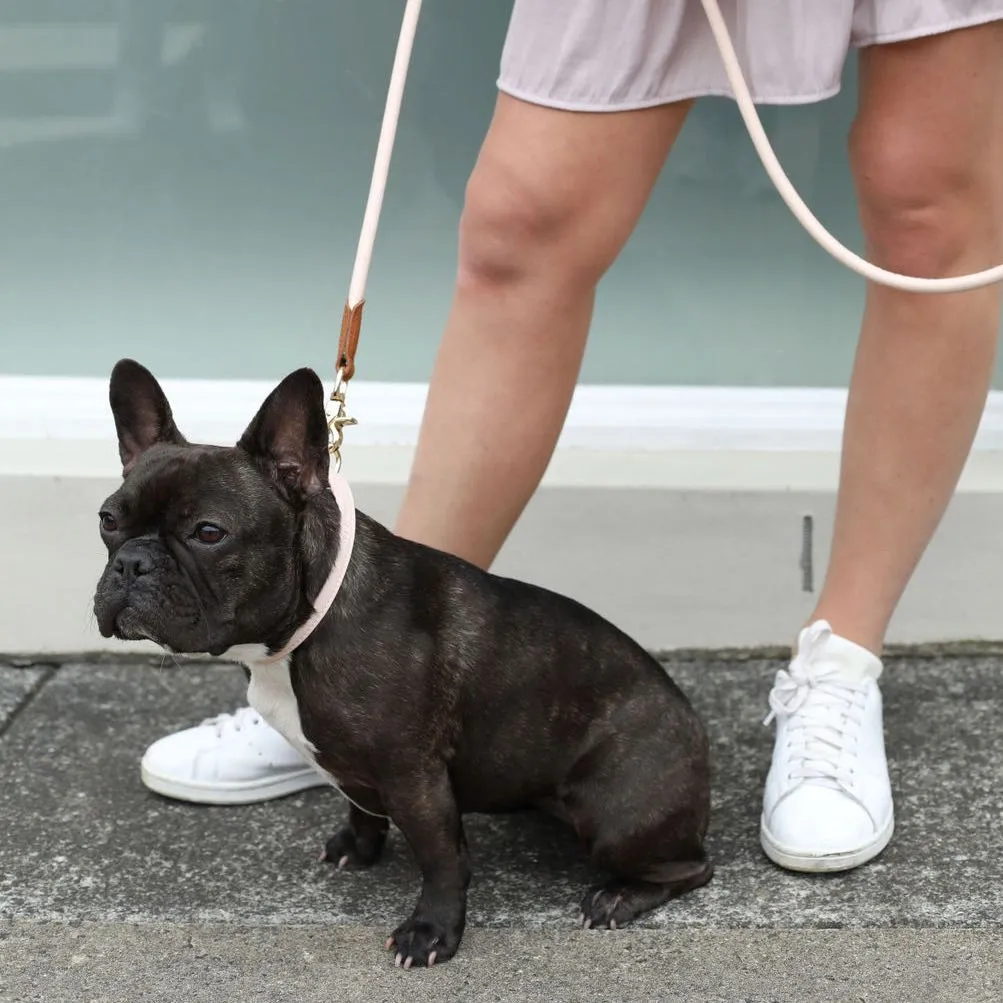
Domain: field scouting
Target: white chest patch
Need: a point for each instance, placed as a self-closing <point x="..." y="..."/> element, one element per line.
<point x="271" y="694"/>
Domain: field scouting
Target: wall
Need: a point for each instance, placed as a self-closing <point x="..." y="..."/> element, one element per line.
<point x="185" y="183"/>
<point x="182" y="181"/>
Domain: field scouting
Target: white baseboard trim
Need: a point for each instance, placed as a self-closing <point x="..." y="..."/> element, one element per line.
<point x="700" y="438"/>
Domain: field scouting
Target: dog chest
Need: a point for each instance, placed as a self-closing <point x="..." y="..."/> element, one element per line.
<point x="271" y="694"/>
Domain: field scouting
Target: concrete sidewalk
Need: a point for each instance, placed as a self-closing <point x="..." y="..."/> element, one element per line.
<point x="110" y="893"/>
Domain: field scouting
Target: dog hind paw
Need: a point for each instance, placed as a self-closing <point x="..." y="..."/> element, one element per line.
<point x="348" y="849"/>
<point x="615" y="904"/>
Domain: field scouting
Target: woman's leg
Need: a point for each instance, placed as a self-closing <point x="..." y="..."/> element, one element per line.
<point x="927" y="155"/>
<point x="551" y="202"/>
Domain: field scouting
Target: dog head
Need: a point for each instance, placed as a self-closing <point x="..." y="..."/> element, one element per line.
<point x="207" y="544"/>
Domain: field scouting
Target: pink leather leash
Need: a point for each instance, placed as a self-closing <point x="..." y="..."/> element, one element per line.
<point x="351" y="326"/>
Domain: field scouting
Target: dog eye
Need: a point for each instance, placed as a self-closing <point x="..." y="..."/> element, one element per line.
<point x="108" y="522"/>
<point x="207" y="533"/>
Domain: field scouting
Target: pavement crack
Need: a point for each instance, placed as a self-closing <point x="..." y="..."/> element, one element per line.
<point x="29" y="698"/>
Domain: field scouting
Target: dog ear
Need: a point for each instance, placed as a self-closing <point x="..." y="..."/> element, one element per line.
<point x="289" y="434"/>
<point x="142" y="415"/>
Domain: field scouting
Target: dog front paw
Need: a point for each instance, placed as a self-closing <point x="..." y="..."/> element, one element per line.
<point x="424" y="941"/>
<point x="349" y="848"/>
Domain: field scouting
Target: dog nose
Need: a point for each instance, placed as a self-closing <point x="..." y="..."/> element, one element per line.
<point x="133" y="564"/>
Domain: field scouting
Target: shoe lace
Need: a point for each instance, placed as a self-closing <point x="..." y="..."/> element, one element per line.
<point x="823" y="713"/>
<point x="235" y="722"/>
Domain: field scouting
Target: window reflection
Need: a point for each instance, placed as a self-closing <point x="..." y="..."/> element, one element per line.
<point x="184" y="180"/>
<point x="218" y="49"/>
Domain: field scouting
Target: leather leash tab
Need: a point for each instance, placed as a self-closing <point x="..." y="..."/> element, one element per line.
<point x="348" y="342"/>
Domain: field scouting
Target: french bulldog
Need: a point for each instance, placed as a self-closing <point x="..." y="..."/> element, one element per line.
<point x="430" y="688"/>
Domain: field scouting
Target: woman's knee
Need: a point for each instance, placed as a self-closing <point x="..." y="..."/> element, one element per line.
<point x="518" y="223"/>
<point x="555" y="195"/>
<point x="924" y="211"/>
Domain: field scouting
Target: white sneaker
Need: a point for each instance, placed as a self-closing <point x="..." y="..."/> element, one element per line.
<point x="231" y="759"/>
<point x="828" y="800"/>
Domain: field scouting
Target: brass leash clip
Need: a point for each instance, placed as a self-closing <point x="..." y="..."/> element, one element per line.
<point x="348" y="342"/>
<point x="340" y="419"/>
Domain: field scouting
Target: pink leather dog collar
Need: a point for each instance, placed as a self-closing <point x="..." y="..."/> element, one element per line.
<point x="346" y="541"/>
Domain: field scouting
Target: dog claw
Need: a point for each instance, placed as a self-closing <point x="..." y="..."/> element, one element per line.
<point x="390" y="943"/>
<point x="408" y="961"/>
<point x="587" y="924"/>
<point x="398" y="960"/>
<point x="581" y="919"/>
<point x="323" y="855"/>
<point x="612" y="924"/>
<point x="431" y="959"/>
<point x="343" y="863"/>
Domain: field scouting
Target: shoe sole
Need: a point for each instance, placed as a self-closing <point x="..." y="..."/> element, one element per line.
<point x="822" y="863"/>
<point x="247" y="792"/>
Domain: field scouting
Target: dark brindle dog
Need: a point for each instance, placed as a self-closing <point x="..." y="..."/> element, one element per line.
<point x="428" y="689"/>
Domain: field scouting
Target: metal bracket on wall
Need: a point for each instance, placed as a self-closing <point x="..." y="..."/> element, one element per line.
<point x="807" y="553"/>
